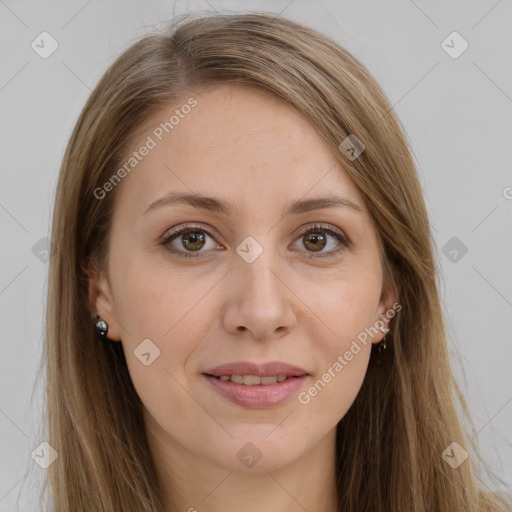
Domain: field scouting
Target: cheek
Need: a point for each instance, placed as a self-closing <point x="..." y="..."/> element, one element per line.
<point x="345" y="304"/>
<point x="347" y="309"/>
<point x="174" y="309"/>
<point x="331" y="393"/>
<point x="154" y="299"/>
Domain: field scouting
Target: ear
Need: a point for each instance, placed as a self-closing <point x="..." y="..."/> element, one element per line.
<point x="388" y="306"/>
<point x="101" y="302"/>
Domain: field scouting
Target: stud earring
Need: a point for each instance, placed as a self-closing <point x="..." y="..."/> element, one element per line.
<point x="101" y="328"/>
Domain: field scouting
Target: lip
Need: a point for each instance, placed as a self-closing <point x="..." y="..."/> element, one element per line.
<point x="258" y="396"/>
<point x="262" y="370"/>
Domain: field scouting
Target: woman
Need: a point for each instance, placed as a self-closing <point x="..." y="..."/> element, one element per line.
<point x="242" y="308"/>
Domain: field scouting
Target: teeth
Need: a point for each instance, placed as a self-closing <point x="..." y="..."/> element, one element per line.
<point x="252" y="380"/>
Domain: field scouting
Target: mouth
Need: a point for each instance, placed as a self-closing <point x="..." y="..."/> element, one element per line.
<point x="253" y="380"/>
<point x="255" y="391"/>
<point x="254" y="386"/>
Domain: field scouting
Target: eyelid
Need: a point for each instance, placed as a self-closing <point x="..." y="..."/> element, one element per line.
<point x="187" y="226"/>
<point x="326" y="227"/>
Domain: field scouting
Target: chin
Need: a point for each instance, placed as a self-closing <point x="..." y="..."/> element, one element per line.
<point x="254" y="450"/>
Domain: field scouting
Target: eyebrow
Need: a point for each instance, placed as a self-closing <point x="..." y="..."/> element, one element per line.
<point x="216" y="205"/>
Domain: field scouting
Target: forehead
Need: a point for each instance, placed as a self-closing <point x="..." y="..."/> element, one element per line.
<point x="238" y="142"/>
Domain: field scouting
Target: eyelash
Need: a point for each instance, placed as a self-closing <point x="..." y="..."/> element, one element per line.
<point x="316" y="228"/>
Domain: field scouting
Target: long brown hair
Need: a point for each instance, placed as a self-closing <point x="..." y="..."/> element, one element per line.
<point x="407" y="404"/>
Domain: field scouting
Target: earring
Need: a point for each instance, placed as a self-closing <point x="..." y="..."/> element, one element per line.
<point x="382" y="344"/>
<point x="101" y="328"/>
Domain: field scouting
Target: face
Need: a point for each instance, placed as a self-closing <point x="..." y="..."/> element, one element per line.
<point x="256" y="274"/>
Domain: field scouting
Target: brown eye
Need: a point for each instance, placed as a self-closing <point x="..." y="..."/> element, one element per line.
<point x="189" y="240"/>
<point x="192" y="240"/>
<point x="314" y="241"/>
<point x="318" y="238"/>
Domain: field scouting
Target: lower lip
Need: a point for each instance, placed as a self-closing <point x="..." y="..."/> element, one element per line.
<point x="257" y="396"/>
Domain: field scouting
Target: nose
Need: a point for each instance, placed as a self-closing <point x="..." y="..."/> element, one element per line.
<point x="259" y="306"/>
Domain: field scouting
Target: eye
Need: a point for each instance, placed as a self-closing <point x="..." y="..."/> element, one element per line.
<point x="316" y="238"/>
<point x="190" y="237"/>
<point x="189" y="240"/>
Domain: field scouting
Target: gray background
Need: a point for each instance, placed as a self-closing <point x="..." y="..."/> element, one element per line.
<point x="457" y="115"/>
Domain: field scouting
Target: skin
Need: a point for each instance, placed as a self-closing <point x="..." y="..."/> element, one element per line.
<point x="253" y="150"/>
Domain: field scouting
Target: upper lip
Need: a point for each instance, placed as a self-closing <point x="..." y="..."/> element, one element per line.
<point x="262" y="370"/>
